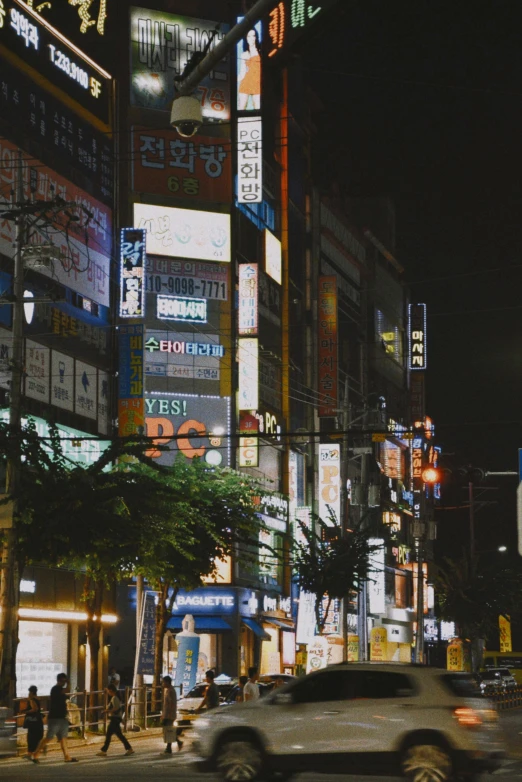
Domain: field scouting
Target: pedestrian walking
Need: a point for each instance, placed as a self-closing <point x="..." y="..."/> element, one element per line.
<point x="241" y="694"/>
<point x="169" y="711"/>
<point x="114" y="678"/>
<point x="251" y="689"/>
<point x="115" y="713"/>
<point x="57" y="722"/>
<point x="33" y="721"/>
<point x="211" y="699"/>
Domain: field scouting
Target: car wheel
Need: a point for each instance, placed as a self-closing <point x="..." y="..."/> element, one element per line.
<point x="239" y="760"/>
<point x="426" y="763"/>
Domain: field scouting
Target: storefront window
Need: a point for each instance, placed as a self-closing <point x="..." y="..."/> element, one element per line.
<point x="270" y="552"/>
<point x="270" y="653"/>
<point x="42" y="654"/>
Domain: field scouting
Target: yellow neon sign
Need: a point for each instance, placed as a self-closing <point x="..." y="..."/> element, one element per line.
<point x="84" y="12"/>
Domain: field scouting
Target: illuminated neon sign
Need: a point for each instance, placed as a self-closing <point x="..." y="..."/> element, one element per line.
<point x="132" y="271"/>
<point x="290" y="19"/>
<point x="417" y="340"/>
<point x="25" y="35"/>
<point x="182" y="309"/>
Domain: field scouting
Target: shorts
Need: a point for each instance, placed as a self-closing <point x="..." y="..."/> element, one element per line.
<point x="57" y="728"/>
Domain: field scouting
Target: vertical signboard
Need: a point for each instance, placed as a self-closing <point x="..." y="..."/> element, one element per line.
<point x="273" y="256"/>
<point x="37" y="371"/>
<point x="147" y="635"/>
<point x="131" y="407"/>
<point x="327" y="323"/>
<point x="376" y="582"/>
<point x="248" y="360"/>
<point x="249" y="66"/>
<point x="330" y="483"/>
<point x="86" y="390"/>
<point x="249" y="160"/>
<point x="248" y="301"/>
<point x="504" y="626"/>
<point x="417" y="344"/>
<point x="62" y="381"/>
<point x="132" y="273"/>
<point x="248" y="441"/>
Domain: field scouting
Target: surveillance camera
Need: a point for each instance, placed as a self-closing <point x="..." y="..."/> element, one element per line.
<point x="186" y="116"/>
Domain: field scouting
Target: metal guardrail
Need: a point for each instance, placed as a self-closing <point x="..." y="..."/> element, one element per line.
<point x="142" y="709"/>
<point x="509" y="699"/>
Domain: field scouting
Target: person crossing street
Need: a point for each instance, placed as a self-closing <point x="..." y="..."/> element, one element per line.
<point x="115" y="712"/>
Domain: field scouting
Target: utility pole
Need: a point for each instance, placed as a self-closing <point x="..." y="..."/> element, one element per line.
<point x="419" y="639"/>
<point x="10" y="577"/>
<point x="362" y="597"/>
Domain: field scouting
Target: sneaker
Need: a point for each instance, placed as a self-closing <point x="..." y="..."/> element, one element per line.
<point x="101" y="754"/>
<point x="167" y="752"/>
<point x="130" y="751"/>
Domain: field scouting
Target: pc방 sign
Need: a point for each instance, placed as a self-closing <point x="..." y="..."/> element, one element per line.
<point x="249" y="160"/>
<point x="330" y="483"/>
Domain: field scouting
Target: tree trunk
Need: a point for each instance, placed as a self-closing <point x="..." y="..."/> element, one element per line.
<point x="478" y="646"/>
<point x="93" y="600"/>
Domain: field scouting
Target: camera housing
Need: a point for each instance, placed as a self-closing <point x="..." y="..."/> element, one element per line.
<point x="186" y="115"/>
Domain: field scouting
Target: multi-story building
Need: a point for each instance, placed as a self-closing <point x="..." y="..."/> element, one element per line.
<point x="57" y="158"/>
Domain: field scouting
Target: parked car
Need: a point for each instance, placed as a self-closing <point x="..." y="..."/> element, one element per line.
<point x="504" y="675"/>
<point x="192" y="700"/>
<point x="424" y="723"/>
<point x="7" y="732"/>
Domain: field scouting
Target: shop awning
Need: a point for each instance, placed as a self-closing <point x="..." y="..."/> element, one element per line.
<point x="204" y="624"/>
<point x="256" y="628"/>
<point x="281" y="623"/>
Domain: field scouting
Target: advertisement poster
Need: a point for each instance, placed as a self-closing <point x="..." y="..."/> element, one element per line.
<point x="187" y="661"/>
<point x="185" y="233"/>
<point x="249" y="69"/>
<point x="199" y="168"/>
<point x="379" y="644"/>
<point x="190" y="424"/>
<point x="85" y="244"/>
<point x="161" y="46"/>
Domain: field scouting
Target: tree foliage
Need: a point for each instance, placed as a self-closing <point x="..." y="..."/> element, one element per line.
<point x="113" y="519"/>
<point x="330" y="565"/>
<point x="474" y="593"/>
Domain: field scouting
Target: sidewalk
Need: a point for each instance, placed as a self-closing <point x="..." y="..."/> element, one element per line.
<point x="90" y="740"/>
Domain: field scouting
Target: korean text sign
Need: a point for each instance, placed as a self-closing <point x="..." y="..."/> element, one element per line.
<point x="248" y="300"/>
<point x="249" y="160"/>
<point x="417" y="336"/>
<point x="131" y="418"/>
<point x="196" y="169"/>
<point x="328" y="346"/>
<point x="132" y="272"/>
<point x="330" y="483"/>
<point x="24" y="33"/>
<point x="185" y="233"/>
<point x="86" y="243"/>
<point x="161" y="46"/>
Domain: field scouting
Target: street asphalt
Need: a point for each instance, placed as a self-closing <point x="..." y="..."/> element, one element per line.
<point x="149" y="763"/>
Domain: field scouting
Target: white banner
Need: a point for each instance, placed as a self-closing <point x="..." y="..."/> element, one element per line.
<point x="330" y="483"/>
<point x="37" y="367"/>
<point x="86" y="390"/>
<point x="62" y="381"/>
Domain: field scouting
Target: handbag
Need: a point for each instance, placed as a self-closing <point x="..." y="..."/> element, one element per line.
<point x="170" y="734"/>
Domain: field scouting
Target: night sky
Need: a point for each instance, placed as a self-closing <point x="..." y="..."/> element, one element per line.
<point x="423" y="103"/>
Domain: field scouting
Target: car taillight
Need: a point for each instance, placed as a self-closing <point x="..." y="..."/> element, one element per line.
<point x="468" y="718"/>
<point x="473" y="718"/>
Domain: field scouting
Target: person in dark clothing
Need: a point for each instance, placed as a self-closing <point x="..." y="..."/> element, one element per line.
<point x="57" y="722"/>
<point x="211" y="699"/>
<point x="115" y="712"/>
<point x="33" y="721"/>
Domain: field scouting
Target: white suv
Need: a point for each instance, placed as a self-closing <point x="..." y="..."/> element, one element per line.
<point x="427" y="724"/>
